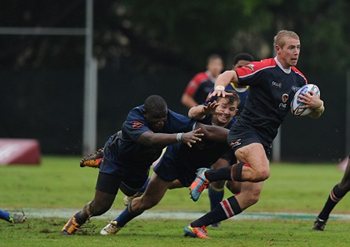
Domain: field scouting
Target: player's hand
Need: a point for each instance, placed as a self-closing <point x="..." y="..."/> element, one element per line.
<point x="311" y="100"/>
<point x="219" y="91"/>
<point x="192" y="137"/>
<point x="210" y="107"/>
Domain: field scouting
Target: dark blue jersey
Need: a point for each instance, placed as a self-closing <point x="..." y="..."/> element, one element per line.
<point x="130" y="152"/>
<point x="272" y="88"/>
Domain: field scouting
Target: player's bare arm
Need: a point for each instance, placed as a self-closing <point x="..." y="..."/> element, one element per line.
<point x="150" y="138"/>
<point x="200" y="111"/>
<point x="214" y="133"/>
<point x="222" y="81"/>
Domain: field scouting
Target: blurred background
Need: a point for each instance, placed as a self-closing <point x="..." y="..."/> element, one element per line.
<point x="155" y="47"/>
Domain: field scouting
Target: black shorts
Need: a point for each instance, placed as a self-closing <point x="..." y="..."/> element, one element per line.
<point x="240" y="136"/>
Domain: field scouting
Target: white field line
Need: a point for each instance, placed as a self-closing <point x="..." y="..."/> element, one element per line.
<point x="111" y="214"/>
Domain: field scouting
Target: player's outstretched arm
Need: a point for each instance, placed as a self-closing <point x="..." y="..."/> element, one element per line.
<point x="214" y="133"/>
<point x="150" y="138"/>
<point x="222" y="81"/>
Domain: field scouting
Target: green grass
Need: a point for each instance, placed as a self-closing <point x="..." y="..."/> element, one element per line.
<point x="61" y="183"/>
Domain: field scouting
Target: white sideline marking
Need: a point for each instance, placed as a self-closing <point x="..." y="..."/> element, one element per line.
<point x="111" y="214"/>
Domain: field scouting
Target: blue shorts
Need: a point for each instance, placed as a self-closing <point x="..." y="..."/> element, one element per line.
<point x="131" y="175"/>
<point x="240" y="136"/>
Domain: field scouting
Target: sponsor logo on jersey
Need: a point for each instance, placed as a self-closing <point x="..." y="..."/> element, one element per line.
<point x="294" y="88"/>
<point x="136" y="124"/>
<point x="276" y="84"/>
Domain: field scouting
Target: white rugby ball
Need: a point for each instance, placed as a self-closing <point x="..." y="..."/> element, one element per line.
<point x="296" y="108"/>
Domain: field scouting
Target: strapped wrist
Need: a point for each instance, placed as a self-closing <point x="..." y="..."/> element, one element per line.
<point x="179" y="137"/>
<point x="219" y="88"/>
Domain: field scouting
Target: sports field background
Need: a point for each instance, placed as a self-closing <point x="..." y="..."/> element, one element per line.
<point x="59" y="184"/>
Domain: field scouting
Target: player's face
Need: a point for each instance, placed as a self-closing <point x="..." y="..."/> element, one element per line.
<point x="156" y="120"/>
<point x="288" y="55"/>
<point x="224" y="112"/>
<point x="215" y="66"/>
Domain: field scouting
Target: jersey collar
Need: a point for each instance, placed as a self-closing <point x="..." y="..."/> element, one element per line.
<point x="287" y="71"/>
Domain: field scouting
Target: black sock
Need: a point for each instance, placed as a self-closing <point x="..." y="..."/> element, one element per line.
<point x="218" y="174"/>
<point x="334" y="197"/>
<point x="225" y="210"/>
<point x="226" y="173"/>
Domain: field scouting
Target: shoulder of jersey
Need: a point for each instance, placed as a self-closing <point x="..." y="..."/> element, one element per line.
<point x="202" y="76"/>
<point x="294" y="69"/>
<point x="256" y="66"/>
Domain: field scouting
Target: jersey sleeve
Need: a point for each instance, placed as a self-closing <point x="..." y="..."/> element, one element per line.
<point x="135" y="124"/>
<point x="195" y="82"/>
<point x="253" y="72"/>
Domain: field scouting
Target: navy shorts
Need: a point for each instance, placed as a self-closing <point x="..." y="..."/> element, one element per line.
<point x="173" y="166"/>
<point x="240" y="136"/>
<point x="115" y="174"/>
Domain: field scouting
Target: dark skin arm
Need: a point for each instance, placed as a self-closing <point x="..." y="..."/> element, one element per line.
<point x="150" y="138"/>
<point x="213" y="133"/>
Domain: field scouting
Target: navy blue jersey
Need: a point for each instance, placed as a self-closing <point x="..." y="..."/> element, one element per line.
<point x="135" y="125"/>
<point x="272" y="88"/>
<point x="203" y="91"/>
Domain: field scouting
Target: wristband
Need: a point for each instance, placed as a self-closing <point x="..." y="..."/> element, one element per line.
<point x="219" y="88"/>
<point x="179" y="137"/>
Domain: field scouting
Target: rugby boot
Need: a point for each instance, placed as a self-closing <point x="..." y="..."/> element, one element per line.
<point x="111" y="228"/>
<point x="199" y="184"/>
<point x="196" y="232"/>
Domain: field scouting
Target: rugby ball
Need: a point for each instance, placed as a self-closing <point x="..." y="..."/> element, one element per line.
<point x="296" y="108"/>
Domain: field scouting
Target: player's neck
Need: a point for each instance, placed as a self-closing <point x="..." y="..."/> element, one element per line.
<point x="285" y="67"/>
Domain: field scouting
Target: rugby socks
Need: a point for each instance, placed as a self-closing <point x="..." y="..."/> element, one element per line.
<point x="218" y="174"/>
<point x="126" y="216"/>
<point x="5" y="215"/>
<point x="334" y="197"/>
<point x="226" y="173"/>
<point x="215" y="196"/>
<point x="226" y="209"/>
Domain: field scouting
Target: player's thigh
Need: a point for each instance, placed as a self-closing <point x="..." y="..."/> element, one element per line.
<point x="254" y="155"/>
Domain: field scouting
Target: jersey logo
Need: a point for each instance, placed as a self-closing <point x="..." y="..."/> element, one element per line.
<point x="136" y="124"/>
<point x="285" y="97"/>
<point x="276" y="84"/>
<point x="235" y="143"/>
<point x="250" y="66"/>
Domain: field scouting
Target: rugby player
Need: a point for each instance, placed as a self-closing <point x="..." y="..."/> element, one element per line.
<point x="273" y="83"/>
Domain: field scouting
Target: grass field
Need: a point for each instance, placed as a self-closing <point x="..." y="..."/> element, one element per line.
<point x="60" y="183"/>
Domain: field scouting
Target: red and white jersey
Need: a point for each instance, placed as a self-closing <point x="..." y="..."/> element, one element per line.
<point x="272" y="89"/>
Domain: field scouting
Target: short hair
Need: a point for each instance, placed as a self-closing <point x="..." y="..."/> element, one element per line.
<point x="155" y="105"/>
<point x="242" y="56"/>
<point x="278" y="39"/>
<point x="232" y="98"/>
<point x="213" y="57"/>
